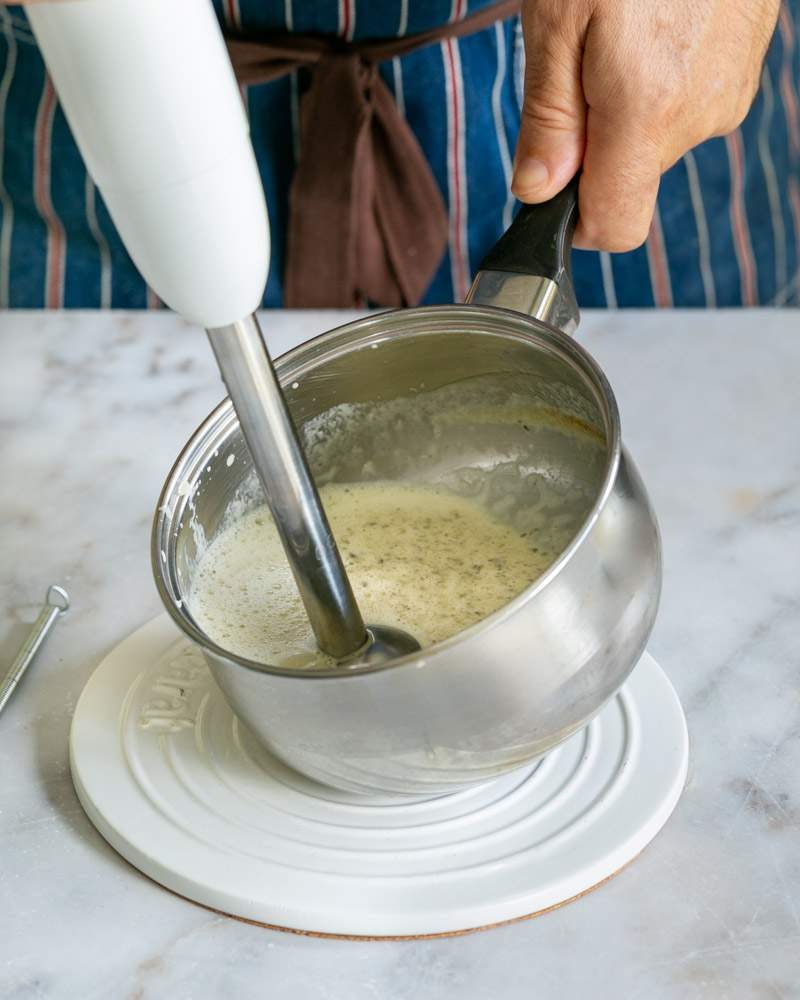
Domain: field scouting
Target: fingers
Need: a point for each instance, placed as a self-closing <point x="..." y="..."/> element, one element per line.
<point x="622" y="168"/>
<point x="625" y="87"/>
<point x="622" y="160"/>
<point x="551" y="139"/>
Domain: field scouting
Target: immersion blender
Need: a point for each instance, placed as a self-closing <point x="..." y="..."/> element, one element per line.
<point x="150" y="95"/>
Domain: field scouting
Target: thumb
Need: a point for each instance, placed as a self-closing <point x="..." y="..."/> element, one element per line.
<point x="552" y="129"/>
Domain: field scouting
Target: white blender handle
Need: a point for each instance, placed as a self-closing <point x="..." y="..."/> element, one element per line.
<point x="149" y="93"/>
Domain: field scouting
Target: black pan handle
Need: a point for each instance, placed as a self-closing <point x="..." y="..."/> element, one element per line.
<point x="539" y="240"/>
<point x="528" y="270"/>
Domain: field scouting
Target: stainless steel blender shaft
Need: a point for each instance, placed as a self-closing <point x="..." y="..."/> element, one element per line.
<point x="291" y="494"/>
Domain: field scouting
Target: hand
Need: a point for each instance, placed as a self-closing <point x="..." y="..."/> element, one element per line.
<point x="625" y="88"/>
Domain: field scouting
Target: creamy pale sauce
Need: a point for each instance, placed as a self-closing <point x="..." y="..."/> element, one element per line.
<point x="419" y="558"/>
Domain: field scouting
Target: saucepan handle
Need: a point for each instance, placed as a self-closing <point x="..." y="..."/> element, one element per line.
<point x="528" y="269"/>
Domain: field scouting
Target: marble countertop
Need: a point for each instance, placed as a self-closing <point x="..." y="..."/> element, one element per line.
<point x="94" y="408"/>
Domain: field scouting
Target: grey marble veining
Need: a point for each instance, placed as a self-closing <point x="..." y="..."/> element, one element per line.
<point x="94" y="408"/>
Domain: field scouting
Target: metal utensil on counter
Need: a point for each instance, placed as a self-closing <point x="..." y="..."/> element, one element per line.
<point x="56" y="603"/>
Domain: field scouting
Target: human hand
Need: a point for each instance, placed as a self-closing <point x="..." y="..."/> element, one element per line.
<point x="624" y="88"/>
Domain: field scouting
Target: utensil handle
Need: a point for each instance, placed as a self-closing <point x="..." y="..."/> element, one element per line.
<point x="528" y="269"/>
<point x="539" y="240"/>
<point x="152" y="101"/>
<point x="51" y="611"/>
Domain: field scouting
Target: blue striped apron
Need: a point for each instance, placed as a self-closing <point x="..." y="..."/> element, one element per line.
<point x="726" y="231"/>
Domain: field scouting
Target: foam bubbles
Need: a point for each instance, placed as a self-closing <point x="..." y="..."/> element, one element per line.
<point x="419" y="558"/>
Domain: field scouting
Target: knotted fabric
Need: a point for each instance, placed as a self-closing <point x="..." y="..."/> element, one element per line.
<point x="367" y="222"/>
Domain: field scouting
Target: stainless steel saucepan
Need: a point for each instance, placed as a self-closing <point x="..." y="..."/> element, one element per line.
<point x="492" y="399"/>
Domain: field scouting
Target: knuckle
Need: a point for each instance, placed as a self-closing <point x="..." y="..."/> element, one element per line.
<point x="745" y="99"/>
<point x="624" y="242"/>
<point x="638" y="90"/>
<point x="734" y="111"/>
<point x="545" y="20"/>
<point x="659" y="101"/>
<point x="614" y="235"/>
<point x="734" y="116"/>
<point x="547" y="113"/>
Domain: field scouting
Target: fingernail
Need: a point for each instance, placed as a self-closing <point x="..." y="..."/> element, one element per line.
<point x="530" y="176"/>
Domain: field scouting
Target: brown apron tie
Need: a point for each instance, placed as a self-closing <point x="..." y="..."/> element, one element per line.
<point x="367" y="222"/>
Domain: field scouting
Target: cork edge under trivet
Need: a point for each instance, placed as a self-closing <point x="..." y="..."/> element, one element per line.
<point x="397" y="937"/>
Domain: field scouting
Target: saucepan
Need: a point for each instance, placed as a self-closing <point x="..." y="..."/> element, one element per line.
<point x="491" y="397"/>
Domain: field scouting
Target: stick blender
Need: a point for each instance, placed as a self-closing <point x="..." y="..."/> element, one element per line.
<point x="153" y="104"/>
<point x="166" y="769"/>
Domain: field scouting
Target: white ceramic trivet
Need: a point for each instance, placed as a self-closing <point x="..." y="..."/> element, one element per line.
<point x="182" y="791"/>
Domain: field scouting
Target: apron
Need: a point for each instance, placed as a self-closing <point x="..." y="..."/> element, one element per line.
<point x="726" y="230"/>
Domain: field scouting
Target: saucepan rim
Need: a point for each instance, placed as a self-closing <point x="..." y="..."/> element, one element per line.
<point x="356" y="335"/>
